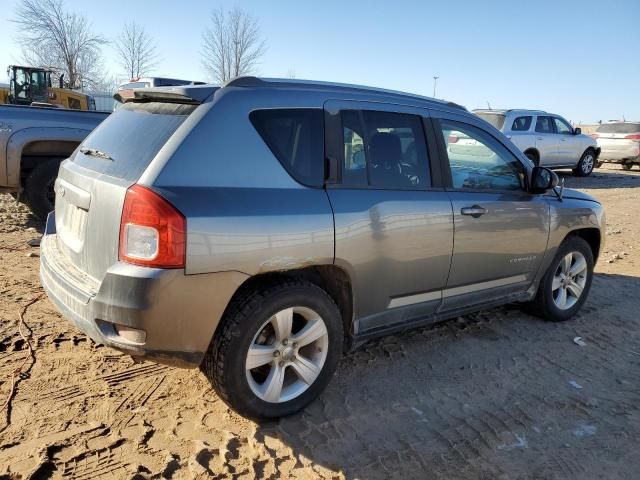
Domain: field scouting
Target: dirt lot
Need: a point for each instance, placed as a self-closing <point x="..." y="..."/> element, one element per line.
<point x="496" y="395"/>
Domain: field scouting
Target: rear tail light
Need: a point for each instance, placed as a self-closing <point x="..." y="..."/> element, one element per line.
<point x="635" y="136"/>
<point x="152" y="231"/>
<point x="453" y="139"/>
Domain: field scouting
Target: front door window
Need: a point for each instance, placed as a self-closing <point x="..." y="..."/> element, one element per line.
<point x="478" y="161"/>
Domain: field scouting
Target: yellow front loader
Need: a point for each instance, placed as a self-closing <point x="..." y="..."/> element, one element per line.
<point x="32" y="86"/>
<point x="4" y="95"/>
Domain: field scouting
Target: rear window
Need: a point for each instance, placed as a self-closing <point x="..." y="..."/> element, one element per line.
<point x="619" y="128"/>
<point x="495" y="119"/>
<point x="296" y="138"/>
<point x="127" y="86"/>
<point x="131" y="137"/>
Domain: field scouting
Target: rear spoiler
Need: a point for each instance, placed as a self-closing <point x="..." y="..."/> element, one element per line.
<point x="187" y="94"/>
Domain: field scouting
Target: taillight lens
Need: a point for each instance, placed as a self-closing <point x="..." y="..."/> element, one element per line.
<point x="453" y="139"/>
<point x="635" y="136"/>
<point x="152" y="231"/>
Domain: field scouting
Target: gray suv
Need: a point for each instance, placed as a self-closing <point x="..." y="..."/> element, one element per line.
<point x="260" y="229"/>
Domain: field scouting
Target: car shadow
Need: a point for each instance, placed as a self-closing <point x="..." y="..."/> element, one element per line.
<point x="602" y="178"/>
<point x="496" y="394"/>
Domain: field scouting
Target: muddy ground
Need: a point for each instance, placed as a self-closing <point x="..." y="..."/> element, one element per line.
<point x="496" y="395"/>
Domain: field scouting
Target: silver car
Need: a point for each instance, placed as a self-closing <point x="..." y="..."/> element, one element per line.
<point x="620" y="143"/>
<point x="260" y="229"/>
<point x="546" y="139"/>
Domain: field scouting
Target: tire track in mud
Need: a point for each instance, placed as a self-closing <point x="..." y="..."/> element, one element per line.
<point x="110" y="461"/>
<point x="135" y="398"/>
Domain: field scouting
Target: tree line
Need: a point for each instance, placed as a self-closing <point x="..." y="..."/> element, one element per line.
<point x="66" y="43"/>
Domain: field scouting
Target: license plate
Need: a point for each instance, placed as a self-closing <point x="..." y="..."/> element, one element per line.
<point x="72" y="230"/>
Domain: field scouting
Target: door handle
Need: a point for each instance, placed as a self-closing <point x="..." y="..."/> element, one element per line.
<point x="475" y="211"/>
<point x="539" y="138"/>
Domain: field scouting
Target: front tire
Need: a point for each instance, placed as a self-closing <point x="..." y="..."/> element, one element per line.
<point x="276" y="349"/>
<point x="627" y="166"/>
<point x="586" y="164"/>
<point x="566" y="283"/>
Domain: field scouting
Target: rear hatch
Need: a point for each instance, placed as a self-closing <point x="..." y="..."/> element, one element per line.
<point x="92" y="184"/>
<point x="618" y="136"/>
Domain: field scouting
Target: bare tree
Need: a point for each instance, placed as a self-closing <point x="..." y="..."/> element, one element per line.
<point x="136" y="50"/>
<point x="60" y="41"/>
<point x="232" y="45"/>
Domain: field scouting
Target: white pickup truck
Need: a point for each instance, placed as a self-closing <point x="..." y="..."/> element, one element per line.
<point x="33" y="142"/>
<point x="546" y="138"/>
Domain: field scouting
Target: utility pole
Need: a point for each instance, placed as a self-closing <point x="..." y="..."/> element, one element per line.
<point x="435" y="79"/>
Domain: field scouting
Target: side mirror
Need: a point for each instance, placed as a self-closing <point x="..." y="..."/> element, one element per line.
<point x="577" y="131"/>
<point x="542" y="179"/>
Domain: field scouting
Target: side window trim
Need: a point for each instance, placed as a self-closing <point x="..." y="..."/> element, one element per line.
<point x="435" y="158"/>
<point x="446" y="168"/>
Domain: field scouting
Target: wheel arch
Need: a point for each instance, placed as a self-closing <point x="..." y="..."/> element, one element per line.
<point x="534" y="151"/>
<point x="592" y="148"/>
<point x="592" y="236"/>
<point x="31" y="144"/>
<point x="332" y="279"/>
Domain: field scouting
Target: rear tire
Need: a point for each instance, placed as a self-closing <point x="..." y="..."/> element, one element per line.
<point x="627" y="166"/>
<point x="586" y="164"/>
<point x="571" y="271"/>
<point x="38" y="187"/>
<point x="254" y="330"/>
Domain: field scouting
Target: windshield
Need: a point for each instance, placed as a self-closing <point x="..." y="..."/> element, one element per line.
<point x="131" y="137"/>
<point x="495" y="119"/>
<point x="619" y="128"/>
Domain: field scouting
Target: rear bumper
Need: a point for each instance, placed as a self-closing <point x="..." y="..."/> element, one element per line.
<point x="630" y="153"/>
<point x="179" y="313"/>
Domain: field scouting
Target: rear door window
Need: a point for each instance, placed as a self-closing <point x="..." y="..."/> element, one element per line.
<point x="296" y="138"/>
<point x="544" y="125"/>
<point x="521" y="124"/>
<point x="124" y="144"/>
<point x="384" y="150"/>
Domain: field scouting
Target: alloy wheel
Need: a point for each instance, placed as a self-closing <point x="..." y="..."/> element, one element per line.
<point x="569" y="280"/>
<point x="287" y="354"/>
<point x="587" y="163"/>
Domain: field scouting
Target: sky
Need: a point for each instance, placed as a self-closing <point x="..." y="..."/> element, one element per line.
<point x="579" y="59"/>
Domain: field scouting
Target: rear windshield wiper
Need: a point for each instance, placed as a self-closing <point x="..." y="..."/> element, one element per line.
<point x="95" y="153"/>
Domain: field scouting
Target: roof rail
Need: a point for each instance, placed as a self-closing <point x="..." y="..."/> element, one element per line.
<point x="250" y="81"/>
<point x="506" y="110"/>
